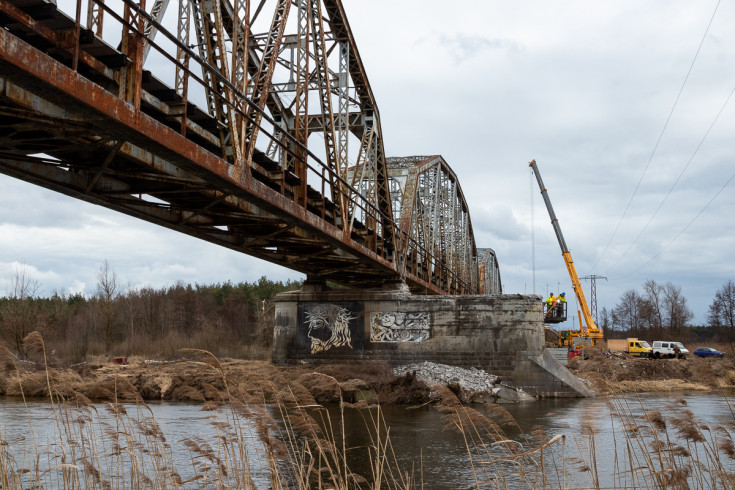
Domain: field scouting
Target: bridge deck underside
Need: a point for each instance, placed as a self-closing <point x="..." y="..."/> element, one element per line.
<point x="69" y="131"/>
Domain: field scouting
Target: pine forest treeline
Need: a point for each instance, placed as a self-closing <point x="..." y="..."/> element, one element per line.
<point x="229" y="320"/>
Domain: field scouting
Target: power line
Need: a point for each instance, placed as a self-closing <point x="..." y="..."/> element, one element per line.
<point x="682" y="230"/>
<point x="660" y="136"/>
<point x="696" y="150"/>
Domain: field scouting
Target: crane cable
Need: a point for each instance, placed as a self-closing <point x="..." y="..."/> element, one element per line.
<point x="658" y="141"/>
<point x="683" y="170"/>
<point x="533" y="238"/>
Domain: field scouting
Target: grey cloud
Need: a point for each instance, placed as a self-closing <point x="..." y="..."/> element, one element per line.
<point x="465" y="46"/>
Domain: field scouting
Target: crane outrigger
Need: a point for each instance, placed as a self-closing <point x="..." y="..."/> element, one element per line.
<point x="588" y="329"/>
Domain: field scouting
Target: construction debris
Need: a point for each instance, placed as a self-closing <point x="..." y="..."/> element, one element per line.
<point x="470" y="385"/>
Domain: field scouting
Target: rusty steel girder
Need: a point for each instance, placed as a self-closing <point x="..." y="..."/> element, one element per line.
<point x="98" y="123"/>
<point x="433" y="216"/>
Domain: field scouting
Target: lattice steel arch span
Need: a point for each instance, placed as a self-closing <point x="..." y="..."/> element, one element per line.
<point x="263" y="169"/>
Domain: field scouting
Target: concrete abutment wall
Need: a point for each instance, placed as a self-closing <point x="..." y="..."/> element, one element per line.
<point x="502" y="334"/>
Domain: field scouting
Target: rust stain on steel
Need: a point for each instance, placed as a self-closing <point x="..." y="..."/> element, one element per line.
<point x="64" y="40"/>
<point x="436" y="256"/>
<point x="48" y="70"/>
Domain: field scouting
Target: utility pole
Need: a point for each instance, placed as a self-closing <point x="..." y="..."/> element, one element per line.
<point x="593" y="286"/>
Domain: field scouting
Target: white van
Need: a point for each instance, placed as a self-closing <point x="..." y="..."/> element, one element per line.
<point x="665" y="349"/>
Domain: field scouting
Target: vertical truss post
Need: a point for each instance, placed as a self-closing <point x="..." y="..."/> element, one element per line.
<point x="385" y="229"/>
<point x="397" y="193"/>
<point x="440" y="218"/>
<point x="463" y="263"/>
<point x="182" y="33"/>
<point x="301" y="103"/>
<point x="424" y="216"/>
<point x="325" y="91"/>
<point x="452" y="243"/>
<point x="343" y="116"/>
<point x="182" y="58"/>
<point x="95" y="16"/>
<point x="436" y="220"/>
<point x="240" y="37"/>
<point x="445" y="242"/>
<point x="132" y="46"/>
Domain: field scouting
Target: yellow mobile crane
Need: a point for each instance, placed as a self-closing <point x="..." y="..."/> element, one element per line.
<point x="587" y="330"/>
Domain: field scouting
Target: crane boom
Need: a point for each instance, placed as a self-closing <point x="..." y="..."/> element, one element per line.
<point x="589" y="324"/>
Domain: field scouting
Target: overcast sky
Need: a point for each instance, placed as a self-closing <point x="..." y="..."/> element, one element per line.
<point x="585" y="88"/>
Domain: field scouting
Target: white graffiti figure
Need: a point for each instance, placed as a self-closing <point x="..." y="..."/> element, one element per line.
<point x="329" y="326"/>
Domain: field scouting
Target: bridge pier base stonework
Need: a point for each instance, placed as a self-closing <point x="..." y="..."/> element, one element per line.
<point x="501" y="334"/>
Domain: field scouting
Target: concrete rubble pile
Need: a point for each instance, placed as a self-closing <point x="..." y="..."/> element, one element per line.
<point x="475" y="385"/>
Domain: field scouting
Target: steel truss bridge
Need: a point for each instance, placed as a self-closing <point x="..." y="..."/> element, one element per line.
<point x="251" y="125"/>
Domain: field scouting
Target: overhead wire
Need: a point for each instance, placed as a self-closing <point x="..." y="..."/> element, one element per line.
<point x="683" y="229"/>
<point x="681" y="174"/>
<point x="660" y="136"/>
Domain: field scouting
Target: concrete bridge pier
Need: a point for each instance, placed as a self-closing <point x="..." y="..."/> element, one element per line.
<point x="502" y="334"/>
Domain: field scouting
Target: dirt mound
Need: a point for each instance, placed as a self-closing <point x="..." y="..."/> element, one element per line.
<point x="621" y="373"/>
<point x="205" y="381"/>
<point x="256" y="382"/>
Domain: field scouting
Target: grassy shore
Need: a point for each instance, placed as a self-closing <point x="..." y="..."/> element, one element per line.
<point x="272" y="431"/>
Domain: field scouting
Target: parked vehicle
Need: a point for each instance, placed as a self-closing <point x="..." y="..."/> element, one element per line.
<point x="633" y="346"/>
<point x="668" y="349"/>
<point x="708" y="352"/>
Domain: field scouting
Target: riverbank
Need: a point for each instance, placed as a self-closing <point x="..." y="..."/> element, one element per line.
<point x="624" y="374"/>
<point x="201" y="378"/>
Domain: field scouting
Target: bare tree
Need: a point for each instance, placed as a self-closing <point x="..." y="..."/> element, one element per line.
<point x="678" y="314"/>
<point x="18" y="313"/>
<point x="108" y="288"/>
<point x="627" y="313"/>
<point x="721" y="312"/>
<point x="654" y="296"/>
<point x="605" y="319"/>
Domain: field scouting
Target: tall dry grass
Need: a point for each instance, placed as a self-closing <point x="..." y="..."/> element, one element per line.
<point x="120" y="445"/>
<point x="677" y="450"/>
<point x="295" y="442"/>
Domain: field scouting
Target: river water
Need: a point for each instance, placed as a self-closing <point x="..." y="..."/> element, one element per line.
<point x="603" y="440"/>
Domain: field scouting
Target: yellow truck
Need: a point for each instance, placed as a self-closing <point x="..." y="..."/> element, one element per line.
<point x="633" y="346"/>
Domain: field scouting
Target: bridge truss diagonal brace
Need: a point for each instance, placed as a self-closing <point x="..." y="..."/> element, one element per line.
<point x="122" y="121"/>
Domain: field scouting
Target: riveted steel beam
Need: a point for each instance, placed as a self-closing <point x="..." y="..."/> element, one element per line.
<point x="90" y="122"/>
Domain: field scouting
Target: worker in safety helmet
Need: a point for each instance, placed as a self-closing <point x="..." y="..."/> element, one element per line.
<point x="550" y="305"/>
<point x="560" y="303"/>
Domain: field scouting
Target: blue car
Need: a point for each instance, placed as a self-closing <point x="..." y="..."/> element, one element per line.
<point x="708" y="352"/>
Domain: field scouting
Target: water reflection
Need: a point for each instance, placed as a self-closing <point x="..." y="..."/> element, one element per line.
<point x="593" y="454"/>
<point x="166" y="443"/>
<point x="428" y="453"/>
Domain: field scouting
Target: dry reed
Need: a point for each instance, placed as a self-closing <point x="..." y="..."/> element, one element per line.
<point x="299" y="444"/>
